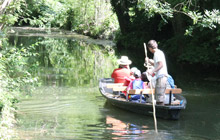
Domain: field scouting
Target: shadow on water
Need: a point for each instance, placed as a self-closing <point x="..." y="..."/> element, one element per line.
<point x="68" y="105"/>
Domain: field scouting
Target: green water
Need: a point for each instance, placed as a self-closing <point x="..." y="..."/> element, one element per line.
<point x="69" y="106"/>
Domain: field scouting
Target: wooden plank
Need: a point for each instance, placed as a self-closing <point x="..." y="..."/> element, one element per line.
<point x="138" y="91"/>
<point x="174" y="91"/>
<point x="119" y="88"/>
<point x="149" y="91"/>
<point x="114" y="85"/>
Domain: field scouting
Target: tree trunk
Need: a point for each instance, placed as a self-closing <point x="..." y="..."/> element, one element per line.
<point x="179" y="27"/>
<point x="121" y="9"/>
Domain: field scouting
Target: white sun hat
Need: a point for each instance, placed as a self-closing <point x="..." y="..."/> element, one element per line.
<point x="124" y="61"/>
<point x="137" y="73"/>
<point x="133" y="69"/>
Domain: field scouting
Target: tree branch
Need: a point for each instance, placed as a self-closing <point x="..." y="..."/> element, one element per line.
<point x="4" y="6"/>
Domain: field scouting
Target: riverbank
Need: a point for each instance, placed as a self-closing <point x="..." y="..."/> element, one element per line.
<point x="57" y="33"/>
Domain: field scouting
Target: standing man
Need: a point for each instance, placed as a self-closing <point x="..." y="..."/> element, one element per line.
<point x="160" y="71"/>
<point x="123" y="71"/>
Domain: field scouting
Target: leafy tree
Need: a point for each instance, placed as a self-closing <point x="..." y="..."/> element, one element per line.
<point x="90" y="17"/>
<point x="7" y="12"/>
<point x="186" y="29"/>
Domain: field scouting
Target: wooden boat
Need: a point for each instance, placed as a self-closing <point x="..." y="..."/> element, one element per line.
<point x="167" y="111"/>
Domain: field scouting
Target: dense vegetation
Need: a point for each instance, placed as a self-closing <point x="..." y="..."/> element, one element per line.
<point x="16" y="69"/>
<point x="89" y="17"/>
<point x="187" y="30"/>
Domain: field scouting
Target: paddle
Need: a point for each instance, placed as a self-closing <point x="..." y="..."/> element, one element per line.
<point x="153" y="102"/>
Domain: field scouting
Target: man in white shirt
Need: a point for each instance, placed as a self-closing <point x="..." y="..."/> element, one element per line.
<point x="160" y="71"/>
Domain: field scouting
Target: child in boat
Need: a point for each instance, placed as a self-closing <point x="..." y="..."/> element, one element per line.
<point x="137" y="83"/>
<point x="129" y="79"/>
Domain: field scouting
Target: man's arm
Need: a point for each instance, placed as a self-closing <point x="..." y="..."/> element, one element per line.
<point x="151" y="61"/>
<point x="159" y="66"/>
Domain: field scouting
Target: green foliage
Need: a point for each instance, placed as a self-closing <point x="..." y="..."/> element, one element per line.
<point x="15" y="75"/>
<point x="203" y="19"/>
<point x="210" y="19"/>
<point x="156" y="7"/>
<point x="95" y="19"/>
<point x="106" y="30"/>
<point x="188" y="30"/>
<point x="83" y="16"/>
<point x="201" y="48"/>
<point x="40" y="13"/>
<point x="18" y="67"/>
<point x="9" y="17"/>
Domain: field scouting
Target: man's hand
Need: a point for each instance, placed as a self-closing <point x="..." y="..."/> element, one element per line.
<point x="146" y="59"/>
<point x="150" y="73"/>
<point x="150" y="61"/>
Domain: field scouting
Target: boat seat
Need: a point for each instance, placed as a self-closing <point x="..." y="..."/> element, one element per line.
<point x="145" y="91"/>
<point x="117" y="86"/>
<point x="149" y="91"/>
<point x="112" y="85"/>
<point x="120" y="88"/>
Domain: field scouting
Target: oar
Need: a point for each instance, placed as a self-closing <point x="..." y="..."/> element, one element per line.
<point x="154" y="110"/>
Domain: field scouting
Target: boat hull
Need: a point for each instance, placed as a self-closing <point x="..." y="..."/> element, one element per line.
<point x="165" y="112"/>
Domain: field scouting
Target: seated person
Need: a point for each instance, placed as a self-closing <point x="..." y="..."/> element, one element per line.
<point x="123" y="71"/>
<point x="137" y="83"/>
<point x="144" y="77"/>
<point x="129" y="79"/>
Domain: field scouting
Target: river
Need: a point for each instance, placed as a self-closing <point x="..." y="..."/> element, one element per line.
<point x="68" y="104"/>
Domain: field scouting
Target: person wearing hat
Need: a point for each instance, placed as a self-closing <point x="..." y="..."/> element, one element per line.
<point x="131" y="77"/>
<point x="123" y="71"/>
<point x="137" y="83"/>
<point x="159" y="70"/>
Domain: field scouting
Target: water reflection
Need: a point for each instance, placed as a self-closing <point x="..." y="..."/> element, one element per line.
<point x="68" y="62"/>
<point x="74" y="63"/>
<point x="122" y="129"/>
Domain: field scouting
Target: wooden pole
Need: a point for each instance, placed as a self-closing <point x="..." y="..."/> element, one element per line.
<point x="153" y="102"/>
